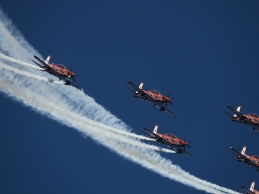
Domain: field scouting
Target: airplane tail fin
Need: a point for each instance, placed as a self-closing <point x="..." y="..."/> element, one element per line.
<point x="47" y="60"/>
<point x="238" y="110"/>
<point x="252" y="187"/>
<point x="141" y="85"/>
<point x="243" y="152"/>
<point x="155" y="129"/>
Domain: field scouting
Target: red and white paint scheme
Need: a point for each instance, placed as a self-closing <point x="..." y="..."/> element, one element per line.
<point x="251" y="119"/>
<point x="243" y="157"/>
<point x="169" y="139"/>
<point x="152" y="96"/>
<point x="57" y="70"/>
<point x="251" y="190"/>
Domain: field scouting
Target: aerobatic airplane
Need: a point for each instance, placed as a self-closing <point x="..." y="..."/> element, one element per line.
<point x="243" y="157"/>
<point x="251" y="190"/>
<point x="250" y="119"/>
<point x="152" y="96"/>
<point x="169" y="140"/>
<point x="57" y="70"/>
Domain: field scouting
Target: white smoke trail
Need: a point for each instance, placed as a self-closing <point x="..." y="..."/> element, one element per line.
<point x="28" y="74"/>
<point x="34" y="94"/>
<point x="2" y="56"/>
<point x="15" y="86"/>
<point x="12" y="42"/>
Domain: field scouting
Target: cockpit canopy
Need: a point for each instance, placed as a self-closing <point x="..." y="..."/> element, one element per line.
<point x="61" y="65"/>
<point x="171" y="135"/>
<point x="256" y="156"/>
<point x="254" y="114"/>
<point x="155" y="91"/>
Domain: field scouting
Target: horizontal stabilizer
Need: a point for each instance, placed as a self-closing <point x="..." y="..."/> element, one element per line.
<point x="68" y="82"/>
<point x="233" y="154"/>
<point x="135" y="87"/>
<point x="246" y="190"/>
<point x="130" y="90"/>
<point x="42" y="62"/>
<point x="152" y="134"/>
<point x="227" y="113"/>
<point x="147" y="135"/>
<point x="236" y="113"/>
<point x="38" y="64"/>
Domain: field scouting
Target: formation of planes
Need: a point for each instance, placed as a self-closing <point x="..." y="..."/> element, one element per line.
<point x="152" y="96"/>
<point x="178" y="145"/>
<point x="252" y="120"/>
<point x="160" y="101"/>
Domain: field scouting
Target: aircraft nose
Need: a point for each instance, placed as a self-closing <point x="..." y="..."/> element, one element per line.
<point x="166" y="99"/>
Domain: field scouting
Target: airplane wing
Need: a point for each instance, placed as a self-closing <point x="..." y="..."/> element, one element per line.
<point x="68" y="82"/>
<point x="186" y="153"/>
<point x="246" y="190"/>
<point x="169" y="112"/>
<point x="135" y="87"/>
<point x="163" y="108"/>
<point x="179" y="150"/>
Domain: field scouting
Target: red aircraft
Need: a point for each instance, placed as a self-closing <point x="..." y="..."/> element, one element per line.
<point x="152" y="96"/>
<point x="243" y="157"/>
<point x="251" y="190"/>
<point x="250" y="119"/>
<point x="57" y="70"/>
<point x="169" y="140"/>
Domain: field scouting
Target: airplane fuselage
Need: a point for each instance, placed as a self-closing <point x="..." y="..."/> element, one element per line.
<point x="253" y="159"/>
<point x="60" y="71"/>
<point x="172" y="140"/>
<point x="250" y="117"/>
<point x="153" y="97"/>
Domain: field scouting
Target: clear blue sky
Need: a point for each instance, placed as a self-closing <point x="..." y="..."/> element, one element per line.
<point x="205" y="53"/>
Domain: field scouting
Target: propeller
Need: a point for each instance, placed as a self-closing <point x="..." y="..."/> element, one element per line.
<point x="74" y="77"/>
<point x="170" y="102"/>
<point x="187" y="142"/>
<point x="170" y="99"/>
